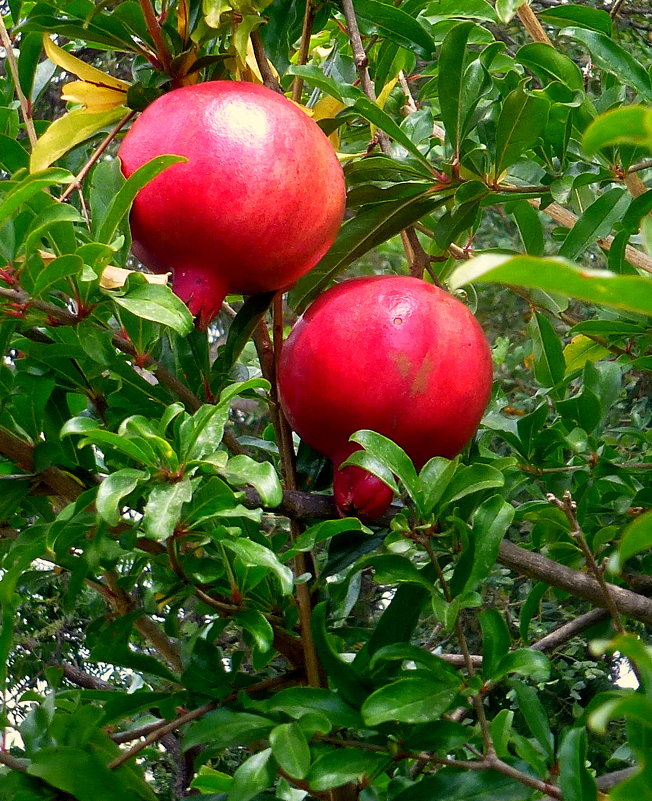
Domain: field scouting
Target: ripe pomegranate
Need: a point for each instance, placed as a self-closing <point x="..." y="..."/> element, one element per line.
<point x="393" y="354"/>
<point x="258" y="203"/>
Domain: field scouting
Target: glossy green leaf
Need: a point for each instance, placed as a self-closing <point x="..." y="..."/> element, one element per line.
<point x="595" y="19"/>
<point x="451" y="71"/>
<point x="322" y="531"/>
<point x="637" y="537"/>
<point x="163" y="508"/>
<point x="549" y="364"/>
<point x="595" y="222"/>
<point x="450" y="784"/>
<point x="262" y="476"/>
<point x="208" y="780"/>
<point x="613" y="58"/>
<point x="392" y="456"/>
<point x="253" y="776"/>
<point x="506" y="9"/>
<point x="409" y="700"/>
<point x="495" y="641"/>
<point x="121" y="204"/>
<point x="628" y="292"/>
<point x="290" y="749"/>
<point x="113" y="489"/>
<point x="225" y="727"/>
<point x="156" y="303"/>
<point x="344" y="765"/>
<point x="529" y="226"/>
<point x="371" y="226"/>
<point x="397" y="25"/>
<point x="526" y="662"/>
<point x="56" y="213"/>
<point x="253" y="554"/>
<point x="626" y="125"/>
<point x="534" y="715"/>
<point x="472" y="478"/>
<point x="520" y="124"/>
<point x="255" y="622"/>
<point x="501" y="729"/>
<point x="550" y="65"/>
<point x="18" y="193"/>
<point x="575" y="781"/>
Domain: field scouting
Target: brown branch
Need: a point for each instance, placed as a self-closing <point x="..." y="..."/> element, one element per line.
<point x="269" y="79"/>
<point x="12" y="762"/>
<point x="25" y="105"/>
<point x="567" y="505"/>
<point x="566" y="218"/>
<point x="304" y="48"/>
<point x="154" y="30"/>
<point x="289" y="679"/>
<point x="306" y="506"/>
<point x="532" y="25"/>
<point x="562" y="634"/>
<point x="642" y="165"/>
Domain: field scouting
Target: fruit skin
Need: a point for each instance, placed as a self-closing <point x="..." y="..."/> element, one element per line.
<point x="389" y="353"/>
<point x="258" y="203"/>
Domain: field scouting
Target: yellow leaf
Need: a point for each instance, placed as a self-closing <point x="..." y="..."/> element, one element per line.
<point x="325" y="109"/>
<point x="93" y="97"/>
<point x="69" y="131"/>
<point x="115" y="277"/>
<point x="386" y="91"/>
<point x="581" y="350"/>
<point x="79" y="68"/>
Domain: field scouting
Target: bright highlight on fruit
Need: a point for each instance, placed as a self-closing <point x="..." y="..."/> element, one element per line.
<point x="258" y="203"/>
<point x="393" y="354"/>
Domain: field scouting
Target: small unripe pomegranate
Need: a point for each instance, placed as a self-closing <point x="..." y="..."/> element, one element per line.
<point x="258" y="203"/>
<point x="393" y="354"/>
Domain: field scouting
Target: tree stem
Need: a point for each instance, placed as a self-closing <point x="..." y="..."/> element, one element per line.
<point x="25" y="105"/>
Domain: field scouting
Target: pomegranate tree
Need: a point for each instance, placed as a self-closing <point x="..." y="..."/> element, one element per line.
<point x="393" y="354"/>
<point x="257" y="204"/>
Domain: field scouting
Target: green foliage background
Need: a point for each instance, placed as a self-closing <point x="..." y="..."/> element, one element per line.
<point x="182" y="612"/>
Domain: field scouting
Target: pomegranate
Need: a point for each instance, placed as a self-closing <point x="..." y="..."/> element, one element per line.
<point x="258" y="203"/>
<point x="393" y="354"/>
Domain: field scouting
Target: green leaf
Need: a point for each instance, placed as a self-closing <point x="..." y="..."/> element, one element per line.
<point x="613" y="58"/>
<point x="113" y="489"/>
<point x="156" y="303"/>
<point x="451" y="70"/>
<point x="595" y="222"/>
<point x="252" y="777"/>
<point x="393" y="457"/>
<point x="320" y="532"/>
<point x="19" y="193"/>
<point x="506" y="9"/>
<point x="531" y="607"/>
<point x="341" y="674"/>
<point x="69" y="131"/>
<point x="550" y="65"/>
<point x="395" y="569"/>
<point x="595" y="19"/>
<point x="440" y="670"/>
<point x="409" y="700"/>
<point x="637" y="537"/>
<point x="241" y="470"/>
<point x="501" y="729"/>
<point x="398" y="26"/>
<point x="472" y="478"/>
<point x="344" y="765"/>
<point x="163" y="508"/>
<point x="434" y="478"/>
<point x="529" y="226"/>
<point x="450" y="784"/>
<point x="629" y="125"/>
<point x="224" y="727"/>
<point x="495" y="641"/>
<point x="520" y="124"/>
<point x="372" y="225"/>
<point x="534" y="715"/>
<point x="627" y="292"/>
<point x="525" y="661"/>
<point x="575" y="781"/>
<point x="549" y="364"/>
<point x="290" y="749"/>
<point x="253" y="554"/>
<point x="56" y="271"/>
<point x="56" y="213"/>
<point x="121" y="204"/>
<point x="208" y="780"/>
<point x="253" y="621"/>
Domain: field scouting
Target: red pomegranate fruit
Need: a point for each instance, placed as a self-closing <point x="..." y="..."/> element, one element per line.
<point x="257" y="204"/>
<point x="393" y="354"/>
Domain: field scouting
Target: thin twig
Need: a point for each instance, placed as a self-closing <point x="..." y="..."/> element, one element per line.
<point x="642" y="165"/>
<point x="562" y="634"/>
<point x="304" y="48"/>
<point x="25" y="105"/>
<point x="159" y="732"/>
<point x="11" y="762"/>
<point x="99" y="150"/>
<point x="615" y="9"/>
<point x="568" y="506"/>
<point x="269" y="79"/>
<point x="154" y="30"/>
